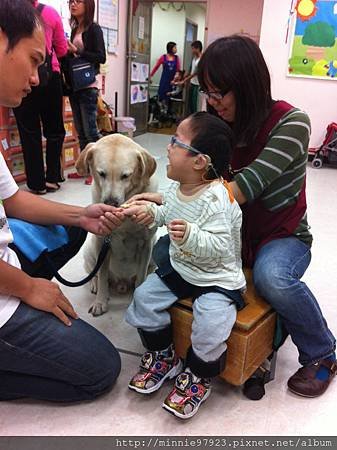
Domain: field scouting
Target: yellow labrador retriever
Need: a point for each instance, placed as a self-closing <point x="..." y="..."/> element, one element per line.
<point x="120" y="168"/>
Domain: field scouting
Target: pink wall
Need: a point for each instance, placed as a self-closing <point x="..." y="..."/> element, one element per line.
<point x="226" y="17"/>
<point x="317" y="97"/>
<point x="116" y="76"/>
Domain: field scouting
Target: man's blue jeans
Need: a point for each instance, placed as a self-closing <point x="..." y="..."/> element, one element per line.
<point x="84" y="107"/>
<point x="42" y="358"/>
<point x="278" y="268"/>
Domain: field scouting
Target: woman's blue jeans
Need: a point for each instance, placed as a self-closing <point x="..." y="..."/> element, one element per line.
<point x="278" y="268"/>
<point x="42" y="358"/>
<point x="84" y="107"/>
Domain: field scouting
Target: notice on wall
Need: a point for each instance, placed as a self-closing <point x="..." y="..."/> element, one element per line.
<point x="112" y="41"/>
<point x="139" y="72"/>
<point x="138" y="93"/>
<point x="108" y="14"/>
<point x="141" y="27"/>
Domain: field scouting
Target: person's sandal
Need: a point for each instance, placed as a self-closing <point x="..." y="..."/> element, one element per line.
<point x="52" y="187"/>
<point x="38" y="192"/>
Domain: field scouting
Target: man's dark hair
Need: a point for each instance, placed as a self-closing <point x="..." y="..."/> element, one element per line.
<point x="213" y="137"/>
<point x="197" y="45"/>
<point x="235" y="63"/>
<point x="169" y="47"/>
<point x="18" y="20"/>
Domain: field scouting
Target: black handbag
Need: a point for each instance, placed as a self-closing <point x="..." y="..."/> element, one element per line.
<point x="82" y="73"/>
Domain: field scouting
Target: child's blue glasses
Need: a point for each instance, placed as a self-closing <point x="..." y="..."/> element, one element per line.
<point x="175" y="141"/>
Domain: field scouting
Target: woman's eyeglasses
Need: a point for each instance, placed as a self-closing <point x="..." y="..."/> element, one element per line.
<point x="175" y="141"/>
<point x="218" y="96"/>
<point x="75" y="2"/>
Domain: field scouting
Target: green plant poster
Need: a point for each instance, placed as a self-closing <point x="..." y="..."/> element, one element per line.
<point x="313" y="47"/>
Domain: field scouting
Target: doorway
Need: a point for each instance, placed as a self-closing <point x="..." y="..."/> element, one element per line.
<point x="179" y="22"/>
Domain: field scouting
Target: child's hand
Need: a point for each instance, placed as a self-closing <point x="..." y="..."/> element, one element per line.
<point x="138" y="212"/>
<point x="177" y="229"/>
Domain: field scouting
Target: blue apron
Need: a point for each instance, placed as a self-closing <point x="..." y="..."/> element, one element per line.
<point x="169" y="70"/>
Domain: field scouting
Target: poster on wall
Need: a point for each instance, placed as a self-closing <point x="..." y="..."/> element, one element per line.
<point x="139" y="93"/>
<point x="112" y="41"/>
<point x="313" y="44"/>
<point x="108" y="14"/>
<point x="139" y="72"/>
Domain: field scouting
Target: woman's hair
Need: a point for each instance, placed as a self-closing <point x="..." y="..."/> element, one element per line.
<point x="235" y="63"/>
<point x="18" y="20"/>
<point x="213" y="137"/>
<point x="89" y="14"/>
<point x="169" y="47"/>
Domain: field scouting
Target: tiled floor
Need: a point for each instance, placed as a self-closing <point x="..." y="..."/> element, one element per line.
<point x="227" y="412"/>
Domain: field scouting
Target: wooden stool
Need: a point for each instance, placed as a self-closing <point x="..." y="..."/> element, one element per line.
<point x="251" y="340"/>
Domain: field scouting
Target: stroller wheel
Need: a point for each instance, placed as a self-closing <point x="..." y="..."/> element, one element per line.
<point x="317" y="162"/>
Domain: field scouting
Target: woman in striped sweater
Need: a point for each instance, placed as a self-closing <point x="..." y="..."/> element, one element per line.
<point x="268" y="180"/>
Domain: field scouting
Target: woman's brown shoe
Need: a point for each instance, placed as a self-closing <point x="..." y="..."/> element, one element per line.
<point x="304" y="382"/>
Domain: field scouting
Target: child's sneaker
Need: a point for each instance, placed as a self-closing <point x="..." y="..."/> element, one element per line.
<point x="187" y="395"/>
<point x="155" y="367"/>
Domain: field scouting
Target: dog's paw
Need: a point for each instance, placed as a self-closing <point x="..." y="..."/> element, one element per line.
<point x="98" y="308"/>
<point x="93" y="285"/>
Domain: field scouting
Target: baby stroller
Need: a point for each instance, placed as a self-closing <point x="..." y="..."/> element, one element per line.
<point x="159" y="113"/>
<point x="327" y="152"/>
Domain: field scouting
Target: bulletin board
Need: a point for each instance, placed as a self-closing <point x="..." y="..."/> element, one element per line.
<point x="108" y="20"/>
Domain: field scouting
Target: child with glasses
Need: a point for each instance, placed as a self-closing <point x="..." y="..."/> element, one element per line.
<point x="203" y="261"/>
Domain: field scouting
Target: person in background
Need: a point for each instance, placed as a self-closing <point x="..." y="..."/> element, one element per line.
<point x="87" y="42"/>
<point x="176" y="85"/>
<point x="193" y="93"/>
<point x="171" y="64"/>
<point x="44" y="105"/>
<point x="46" y="352"/>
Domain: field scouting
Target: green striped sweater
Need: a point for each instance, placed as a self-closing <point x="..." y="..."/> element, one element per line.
<point x="277" y="174"/>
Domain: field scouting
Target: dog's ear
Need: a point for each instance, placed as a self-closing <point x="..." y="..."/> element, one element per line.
<point x="147" y="163"/>
<point x="84" y="160"/>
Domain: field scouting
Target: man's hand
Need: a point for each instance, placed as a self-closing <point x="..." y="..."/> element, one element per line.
<point x="153" y="197"/>
<point x="139" y="213"/>
<point x="47" y="296"/>
<point x="177" y="229"/>
<point x="101" y="219"/>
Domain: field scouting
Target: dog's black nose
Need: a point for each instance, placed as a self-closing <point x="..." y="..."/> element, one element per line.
<point x="111" y="201"/>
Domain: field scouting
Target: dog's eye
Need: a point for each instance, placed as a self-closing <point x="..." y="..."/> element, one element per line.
<point x="125" y="176"/>
<point x="102" y="174"/>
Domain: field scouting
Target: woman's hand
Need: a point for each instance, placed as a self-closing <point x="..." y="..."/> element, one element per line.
<point x="153" y="197"/>
<point x="47" y="296"/>
<point x="101" y="219"/>
<point x="177" y="229"/>
<point x="71" y="47"/>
